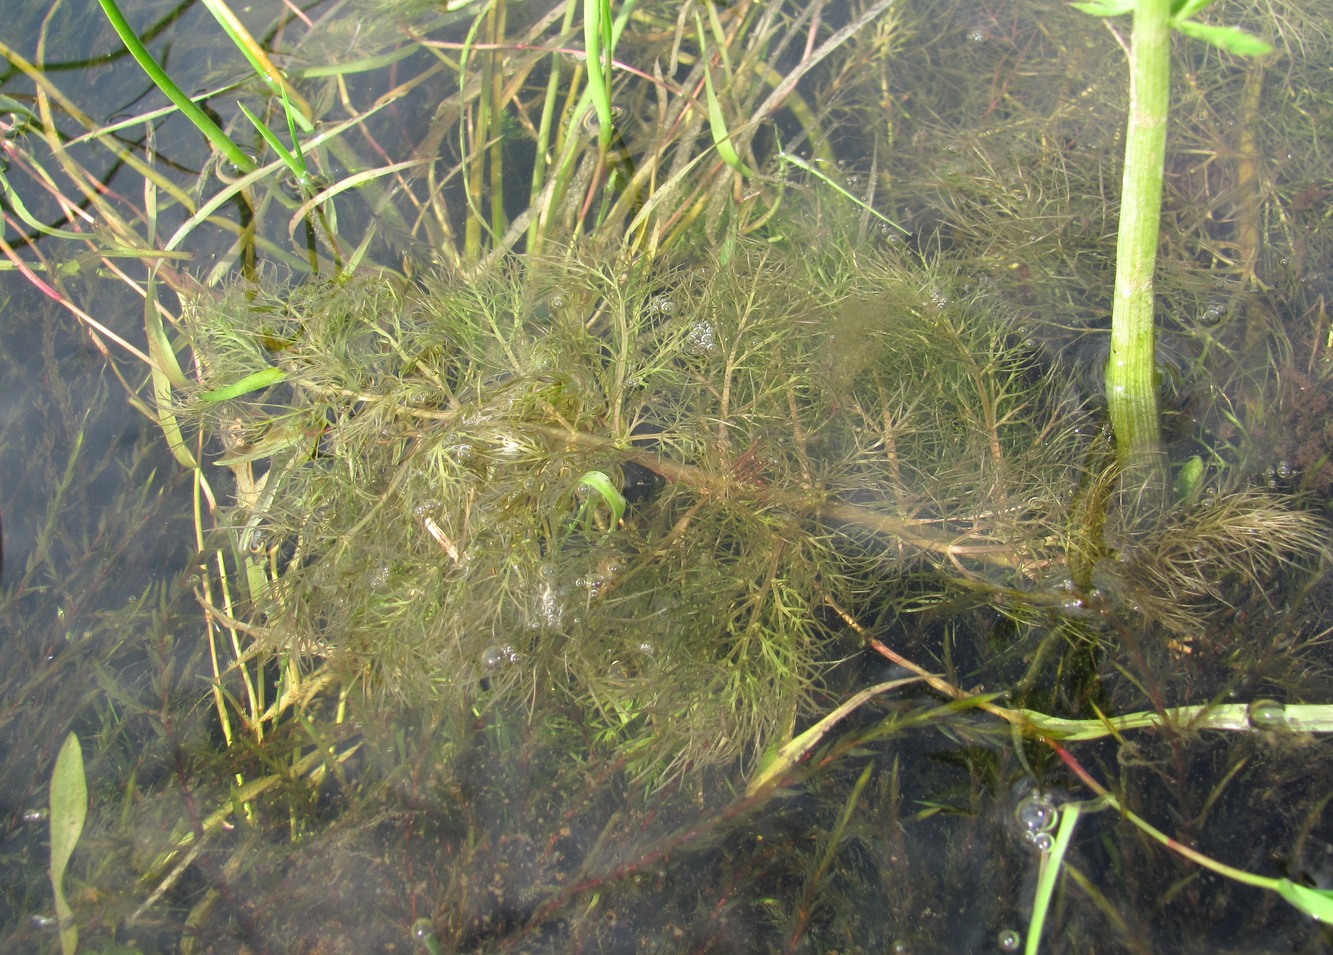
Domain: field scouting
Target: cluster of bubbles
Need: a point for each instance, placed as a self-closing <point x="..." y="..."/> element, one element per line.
<point x="661" y="305"/>
<point x="701" y="339"/>
<point x="1077" y="603"/>
<point x="1278" y="475"/>
<point x="498" y="656"/>
<point x="608" y="570"/>
<point x="1036" y="815"/>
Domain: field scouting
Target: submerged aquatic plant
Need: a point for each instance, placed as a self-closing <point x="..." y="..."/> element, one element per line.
<point x="788" y="431"/>
<point x="676" y="488"/>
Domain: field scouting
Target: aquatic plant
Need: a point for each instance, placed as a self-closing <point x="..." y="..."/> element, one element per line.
<point x="574" y="498"/>
<point x="790" y="431"/>
<point x="1132" y="372"/>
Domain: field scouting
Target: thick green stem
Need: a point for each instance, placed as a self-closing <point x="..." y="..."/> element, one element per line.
<point x="1131" y="374"/>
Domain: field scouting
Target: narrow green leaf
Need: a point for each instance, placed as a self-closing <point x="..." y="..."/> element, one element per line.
<point x="785" y="757"/>
<point x="1232" y="39"/>
<point x="69" y="811"/>
<point x="1317" y="903"/>
<point x="291" y="130"/>
<point x="259" y="60"/>
<point x="202" y="121"/>
<point x="1184" y="9"/>
<point x="166" y="375"/>
<point x="280" y="437"/>
<point x="597" y="38"/>
<point x="159" y="344"/>
<point x="800" y="163"/>
<point x="1106" y="8"/>
<point x="29" y="219"/>
<point x="291" y="162"/>
<point x="600" y="482"/>
<point x="253" y="382"/>
<point x="1050" y="872"/>
<point x="717" y="120"/>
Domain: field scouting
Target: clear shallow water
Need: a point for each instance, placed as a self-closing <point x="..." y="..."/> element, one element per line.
<point x="474" y="814"/>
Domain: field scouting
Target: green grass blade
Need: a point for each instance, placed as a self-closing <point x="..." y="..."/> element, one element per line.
<point x="598" y="42"/>
<point x="168" y="86"/>
<point x="1050" y="871"/>
<point x="29" y="219"/>
<point x="167" y="375"/>
<point x="717" y="122"/>
<point x="800" y="163"/>
<point x="600" y="482"/>
<point x="296" y="165"/>
<point x="259" y="61"/>
<point x="1317" y="903"/>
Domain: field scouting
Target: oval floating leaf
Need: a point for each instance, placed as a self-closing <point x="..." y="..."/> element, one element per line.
<point x="69" y="810"/>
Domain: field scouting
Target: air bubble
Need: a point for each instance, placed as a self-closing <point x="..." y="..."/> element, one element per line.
<point x="1267" y="714"/>
<point x="492" y="657"/>
<point x="1008" y="940"/>
<point x="1285" y="470"/>
<point x="36" y="815"/>
<point x="229" y="172"/>
<point x="557" y="300"/>
<point x="1074" y="607"/>
<point x="1035" y="814"/>
<point x="423" y="930"/>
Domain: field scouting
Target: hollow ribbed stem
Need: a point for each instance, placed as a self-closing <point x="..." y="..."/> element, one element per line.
<point x="1131" y="376"/>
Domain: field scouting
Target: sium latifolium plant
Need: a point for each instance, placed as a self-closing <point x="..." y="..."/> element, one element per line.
<point x="614" y="498"/>
<point x="1132" y="374"/>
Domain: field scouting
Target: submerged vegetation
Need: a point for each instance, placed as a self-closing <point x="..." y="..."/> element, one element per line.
<point x="652" y="489"/>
